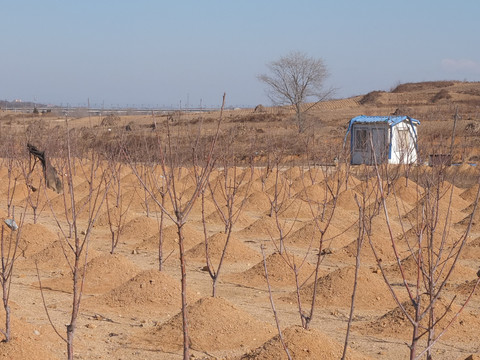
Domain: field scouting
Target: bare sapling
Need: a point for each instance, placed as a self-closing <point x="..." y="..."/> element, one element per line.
<point x="76" y="237"/>
<point x="181" y="205"/>
<point x="435" y="254"/>
<point x="228" y="201"/>
<point x="322" y="211"/>
<point x="281" y="198"/>
<point x="158" y="182"/>
<point x="272" y="303"/>
<point x="160" y="185"/>
<point x="9" y="240"/>
<point x="11" y="229"/>
<point x="154" y="181"/>
<point x="146" y="196"/>
<point x="160" y="216"/>
<point x="367" y="203"/>
<point x="266" y="171"/>
<point x="117" y="207"/>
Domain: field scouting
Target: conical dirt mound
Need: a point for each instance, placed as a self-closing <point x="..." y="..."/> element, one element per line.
<point x="236" y="252"/>
<point x="295" y="209"/>
<point x="28" y="342"/>
<point x="264" y="227"/>
<point x="309" y="235"/>
<point x="335" y="289"/>
<point x="407" y="190"/>
<point x="52" y="257"/>
<point x="280" y="273"/>
<point x="151" y="289"/>
<point x="472" y="250"/>
<point x="139" y="229"/>
<point x="410" y="270"/>
<point x="214" y="324"/>
<point x="115" y="214"/>
<point x="396" y="324"/>
<point x="33" y="238"/>
<point x="302" y="344"/>
<point x="104" y="273"/>
<point x="470" y="194"/>
<point x="191" y="237"/>
<point x="241" y="221"/>
<point x="346" y="200"/>
<point x="257" y="201"/>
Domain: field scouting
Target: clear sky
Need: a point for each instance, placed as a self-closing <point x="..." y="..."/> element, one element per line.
<point x="187" y="52"/>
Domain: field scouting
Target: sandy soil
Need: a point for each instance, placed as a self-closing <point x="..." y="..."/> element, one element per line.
<point x="131" y="310"/>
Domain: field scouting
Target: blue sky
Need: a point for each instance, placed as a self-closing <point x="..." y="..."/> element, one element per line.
<point x="172" y="53"/>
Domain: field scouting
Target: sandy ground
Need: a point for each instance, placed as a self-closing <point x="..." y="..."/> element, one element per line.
<point x="130" y="310"/>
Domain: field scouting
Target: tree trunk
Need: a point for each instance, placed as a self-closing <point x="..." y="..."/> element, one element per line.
<point x="7" y="311"/>
<point x="160" y="237"/>
<point x="186" y="339"/>
<point x="76" y="304"/>
<point x="70" y="335"/>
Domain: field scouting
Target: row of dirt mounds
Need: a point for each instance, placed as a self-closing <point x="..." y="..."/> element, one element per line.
<point x="126" y="286"/>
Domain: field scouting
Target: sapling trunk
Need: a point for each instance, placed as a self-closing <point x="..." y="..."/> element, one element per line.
<point x="183" y="270"/>
<point x="277" y="321"/>
<point x="361" y="236"/>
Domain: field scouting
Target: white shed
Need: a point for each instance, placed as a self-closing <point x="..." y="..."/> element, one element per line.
<point x="394" y="139"/>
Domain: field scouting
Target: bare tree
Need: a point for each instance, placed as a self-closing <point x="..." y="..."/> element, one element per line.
<point x="294" y="79"/>
<point x="116" y="212"/>
<point x="228" y="203"/>
<point x="281" y="198"/>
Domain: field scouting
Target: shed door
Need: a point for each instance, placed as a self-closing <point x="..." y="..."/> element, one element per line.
<point x="379" y="140"/>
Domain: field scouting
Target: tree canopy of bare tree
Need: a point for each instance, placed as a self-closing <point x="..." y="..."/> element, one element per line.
<point x="295" y="78"/>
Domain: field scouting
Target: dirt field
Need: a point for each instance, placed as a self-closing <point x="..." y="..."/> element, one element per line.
<point x="130" y="310"/>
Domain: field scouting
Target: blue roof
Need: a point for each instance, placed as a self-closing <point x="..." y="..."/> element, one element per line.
<point x="390" y="120"/>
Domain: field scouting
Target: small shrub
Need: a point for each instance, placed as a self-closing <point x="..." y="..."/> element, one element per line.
<point x="442" y="94"/>
<point x="110" y="120"/>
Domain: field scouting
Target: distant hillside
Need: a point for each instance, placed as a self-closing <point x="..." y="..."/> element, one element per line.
<point x="426" y="93"/>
